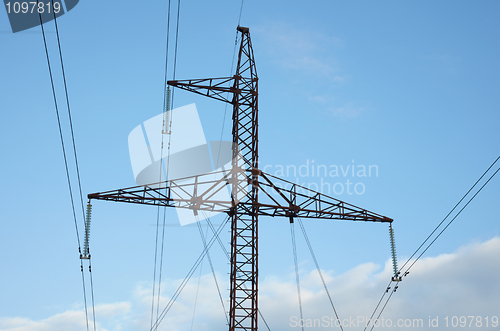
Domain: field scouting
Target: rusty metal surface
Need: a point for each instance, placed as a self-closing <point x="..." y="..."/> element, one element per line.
<point x="274" y="199"/>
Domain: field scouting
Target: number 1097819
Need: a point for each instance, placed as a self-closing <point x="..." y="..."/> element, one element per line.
<point x="33" y="7"/>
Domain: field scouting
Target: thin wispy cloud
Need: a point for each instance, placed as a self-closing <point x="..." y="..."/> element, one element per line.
<point x="306" y="51"/>
<point x="347" y="111"/>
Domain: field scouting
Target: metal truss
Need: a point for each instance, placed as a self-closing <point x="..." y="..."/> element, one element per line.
<point x="278" y="197"/>
<point x="253" y="193"/>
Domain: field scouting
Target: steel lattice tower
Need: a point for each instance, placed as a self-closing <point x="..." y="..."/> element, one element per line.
<point x="246" y="182"/>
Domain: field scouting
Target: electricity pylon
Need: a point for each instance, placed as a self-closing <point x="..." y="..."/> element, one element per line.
<point x="279" y="198"/>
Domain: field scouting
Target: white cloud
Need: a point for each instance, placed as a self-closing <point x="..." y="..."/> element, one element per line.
<point x="462" y="283"/>
<point x="69" y="320"/>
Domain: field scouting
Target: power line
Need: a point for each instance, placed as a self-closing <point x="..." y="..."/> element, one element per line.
<point x="65" y="156"/>
<point x="204" y="240"/>
<point x="378" y="304"/>
<point x="218" y="239"/>
<point x="439" y="234"/>
<point x="176" y="294"/>
<point x="74" y="153"/>
<point x="60" y="130"/>
<point x="92" y="292"/>
<point x="155" y="264"/>
<point x="161" y="262"/>
<point x="449" y="223"/>
<point x="84" y="295"/>
<point x="319" y="270"/>
<point x="216" y="234"/>
<point x="69" y="113"/>
<point x="451" y="211"/>
<point x="176" y="44"/>
<point x="174" y="75"/>
<point x="229" y="259"/>
<point x="199" y="276"/>
<point x="227" y="94"/>
<point x="188" y="277"/>
<point x="297" y="279"/>
<point x="373" y="324"/>
<point x="166" y="125"/>
<point x="241" y="10"/>
<point x="231" y="72"/>
<point x="166" y="58"/>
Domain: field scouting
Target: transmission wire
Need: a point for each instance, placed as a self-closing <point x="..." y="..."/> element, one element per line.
<point x="84" y="294"/>
<point x="199" y="276"/>
<point x="292" y="231"/>
<point x="74" y="150"/>
<point x="154" y="272"/>
<point x="263" y="319"/>
<point x="401" y="268"/>
<point x="241" y="10"/>
<point x="219" y="240"/>
<point x="69" y="114"/>
<point x="169" y="138"/>
<point x="318" y="268"/>
<point x="230" y="74"/>
<point x="60" y="131"/>
<point x="196" y="297"/>
<point x="92" y="291"/>
<point x="187" y="278"/>
<point x="160" y="172"/>
<point x="428" y="246"/>
<point x="176" y="43"/>
<point x="212" y="267"/>
<point x="65" y="164"/>
<point x="229" y="259"/>
<point x="216" y="235"/>
<point x="449" y="223"/>
<point x="373" y="324"/>
<point x="378" y="304"/>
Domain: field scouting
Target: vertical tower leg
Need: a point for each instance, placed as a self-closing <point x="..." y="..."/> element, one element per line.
<point x="244" y="220"/>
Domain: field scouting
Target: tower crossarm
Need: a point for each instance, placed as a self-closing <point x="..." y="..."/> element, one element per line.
<point x="215" y="88"/>
<point x="279" y="197"/>
<point x="200" y="192"/>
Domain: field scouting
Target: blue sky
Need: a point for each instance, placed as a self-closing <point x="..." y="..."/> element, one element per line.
<point x="409" y="87"/>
